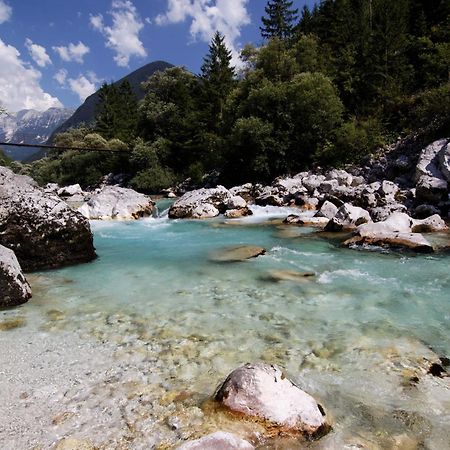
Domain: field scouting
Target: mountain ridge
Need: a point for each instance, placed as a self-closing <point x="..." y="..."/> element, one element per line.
<point x="85" y="113"/>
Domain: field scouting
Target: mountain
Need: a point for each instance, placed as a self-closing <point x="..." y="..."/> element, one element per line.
<point x="30" y="127"/>
<point x="86" y="112"/>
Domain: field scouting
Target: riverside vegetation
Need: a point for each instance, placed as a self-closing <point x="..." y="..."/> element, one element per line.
<point x="328" y="89"/>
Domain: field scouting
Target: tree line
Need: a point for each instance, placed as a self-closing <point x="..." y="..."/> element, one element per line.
<point x="328" y="86"/>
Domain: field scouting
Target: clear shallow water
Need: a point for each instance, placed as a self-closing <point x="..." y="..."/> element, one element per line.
<point x="165" y="318"/>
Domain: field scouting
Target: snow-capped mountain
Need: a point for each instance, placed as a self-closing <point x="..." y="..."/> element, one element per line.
<point x="30" y="127"/>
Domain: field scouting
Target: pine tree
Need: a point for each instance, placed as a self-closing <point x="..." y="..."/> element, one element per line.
<point x="218" y="76"/>
<point x="280" y="19"/>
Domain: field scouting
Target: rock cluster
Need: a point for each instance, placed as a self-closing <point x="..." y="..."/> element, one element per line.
<point x="42" y="230"/>
<point x="14" y="288"/>
<point x="208" y="203"/>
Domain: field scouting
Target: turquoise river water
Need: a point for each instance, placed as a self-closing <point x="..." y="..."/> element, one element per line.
<point x="125" y="351"/>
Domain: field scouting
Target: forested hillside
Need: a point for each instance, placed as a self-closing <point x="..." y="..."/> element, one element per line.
<point x="328" y="87"/>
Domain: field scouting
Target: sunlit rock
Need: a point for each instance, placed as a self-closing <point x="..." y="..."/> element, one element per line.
<point x="262" y="391"/>
<point x="41" y="229"/>
<point x="201" y="203"/>
<point x="348" y="217"/>
<point x="114" y="202"/>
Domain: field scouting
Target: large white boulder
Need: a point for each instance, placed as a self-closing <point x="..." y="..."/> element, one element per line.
<point x="217" y="441"/>
<point x="444" y="161"/>
<point x="113" y="202"/>
<point x="348" y="217"/>
<point x="210" y="201"/>
<point x="41" y="229"/>
<point x="328" y="210"/>
<point x="262" y="391"/>
<point x="14" y="288"/>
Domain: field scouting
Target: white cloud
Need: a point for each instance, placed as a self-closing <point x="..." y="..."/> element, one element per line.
<point x="209" y="16"/>
<point x="73" y="52"/>
<point x="38" y="53"/>
<point x="5" y="11"/>
<point x="19" y="83"/>
<point x="82" y="86"/>
<point x="123" y="35"/>
<point x="61" y="76"/>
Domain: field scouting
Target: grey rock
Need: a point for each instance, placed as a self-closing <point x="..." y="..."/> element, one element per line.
<point x="431" y="189"/>
<point x="68" y="191"/>
<point x="262" y="391"/>
<point x="348" y="217"/>
<point x="14" y="288"/>
<point x="114" y="202"/>
<point x="425" y="210"/>
<point x="41" y="229"/>
<point x="429" y="225"/>
<point x="328" y="210"/>
<point x="201" y="203"/>
<point x="444" y="161"/>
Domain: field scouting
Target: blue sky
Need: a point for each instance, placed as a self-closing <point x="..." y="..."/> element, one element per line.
<point x="56" y="52"/>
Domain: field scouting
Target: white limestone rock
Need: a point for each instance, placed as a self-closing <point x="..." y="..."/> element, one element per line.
<point x="236" y="202"/>
<point x="262" y="391"/>
<point x="41" y="229"/>
<point x="328" y="210"/>
<point x="431" y="224"/>
<point x="217" y="441"/>
<point x="68" y="191"/>
<point x="444" y="161"/>
<point x="114" y="202"/>
<point x="14" y="288"/>
<point x="348" y="217"/>
<point x="201" y="203"/>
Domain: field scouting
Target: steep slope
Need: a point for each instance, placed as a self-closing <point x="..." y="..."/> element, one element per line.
<point x="86" y="112"/>
<point x="30" y="127"/>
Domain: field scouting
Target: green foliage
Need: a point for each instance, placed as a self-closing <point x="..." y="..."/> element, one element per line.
<point x="117" y="112"/>
<point x="151" y="176"/>
<point x="351" y="142"/>
<point x="280" y="19"/>
<point x="218" y="78"/>
<point x="4" y="160"/>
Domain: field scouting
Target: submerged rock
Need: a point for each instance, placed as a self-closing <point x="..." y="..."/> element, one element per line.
<point x="239" y="253"/>
<point x="202" y="203"/>
<point x="41" y="229"/>
<point x="14" y="288"/>
<point x="262" y="391"/>
<point x="217" y="441"/>
<point x="114" y="202"/>
<point x="290" y="275"/>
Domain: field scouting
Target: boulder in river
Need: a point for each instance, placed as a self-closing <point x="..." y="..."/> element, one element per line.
<point x="348" y="217"/>
<point x="211" y="201"/>
<point x="41" y="229"/>
<point x="69" y="191"/>
<point x="217" y="441"/>
<point x="114" y="202"/>
<point x="328" y="210"/>
<point x="239" y="253"/>
<point x="14" y="288"/>
<point x="290" y="275"/>
<point x="263" y="392"/>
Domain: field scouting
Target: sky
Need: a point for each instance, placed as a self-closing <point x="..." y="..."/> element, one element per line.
<point x="58" y="52"/>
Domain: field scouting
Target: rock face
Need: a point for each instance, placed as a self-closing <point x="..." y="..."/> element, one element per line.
<point x="14" y="288"/>
<point x="202" y="203"/>
<point x="432" y="173"/>
<point x="263" y="392"/>
<point x="113" y="202"/>
<point x="40" y="228"/>
<point x="217" y="441"/>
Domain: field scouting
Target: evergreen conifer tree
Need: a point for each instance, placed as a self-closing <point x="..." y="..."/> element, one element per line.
<point x="218" y="76"/>
<point x="280" y="19"/>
